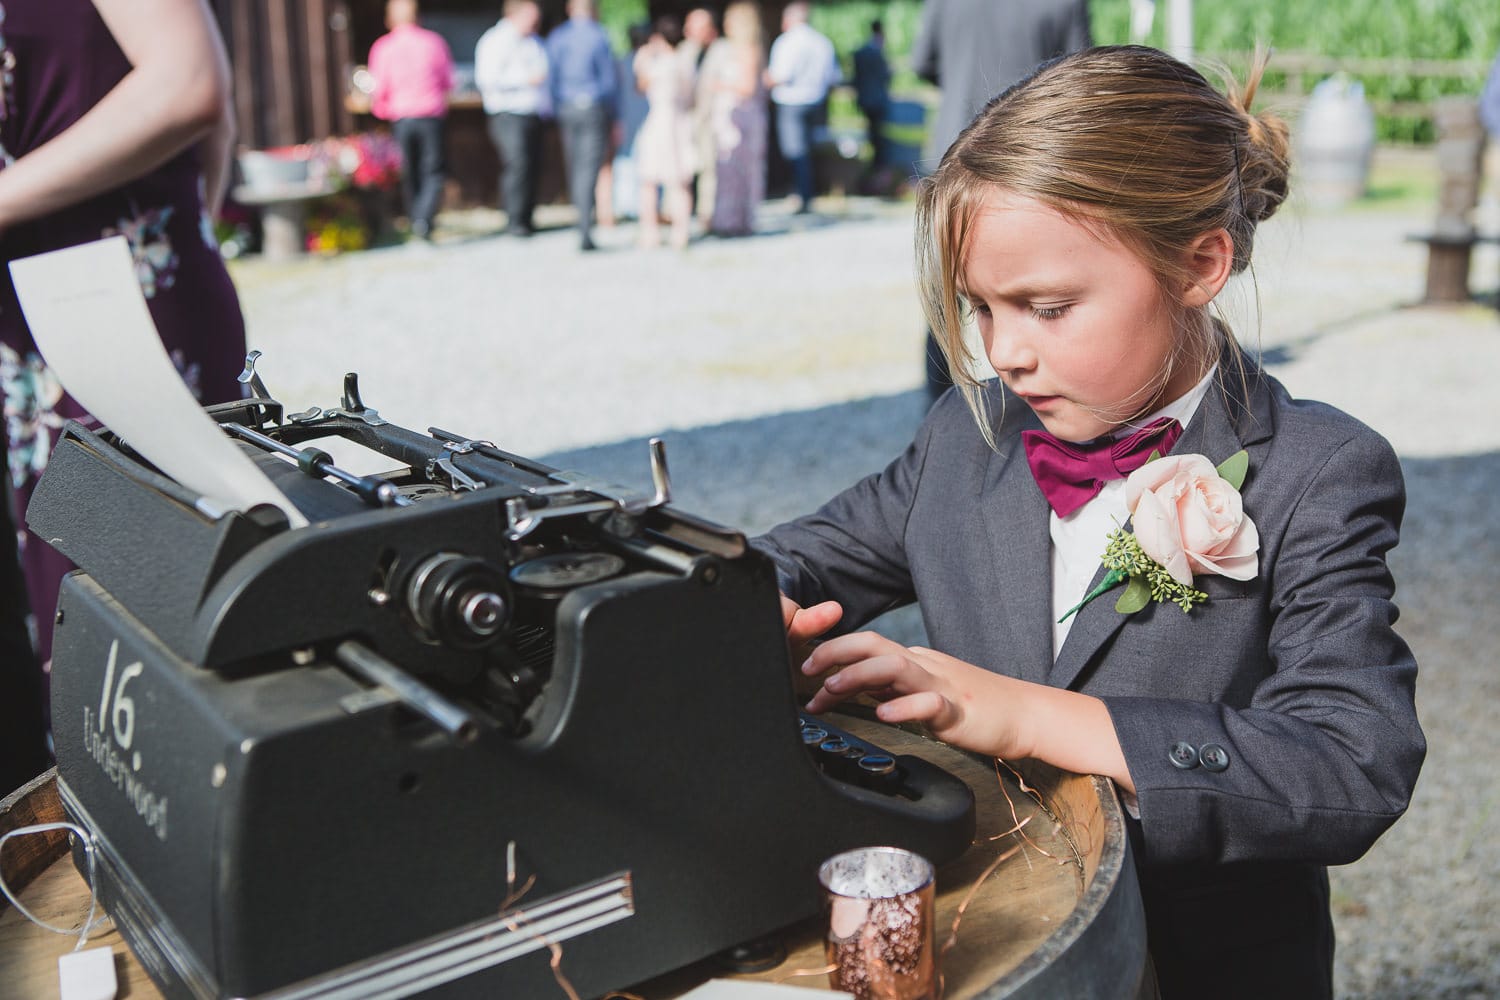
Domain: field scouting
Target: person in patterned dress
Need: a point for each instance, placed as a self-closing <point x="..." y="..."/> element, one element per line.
<point x="114" y="119"/>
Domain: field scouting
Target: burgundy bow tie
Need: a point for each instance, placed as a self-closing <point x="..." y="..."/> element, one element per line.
<point x="1070" y="475"/>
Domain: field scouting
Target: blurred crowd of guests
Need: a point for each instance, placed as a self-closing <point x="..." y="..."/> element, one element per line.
<point x="673" y="132"/>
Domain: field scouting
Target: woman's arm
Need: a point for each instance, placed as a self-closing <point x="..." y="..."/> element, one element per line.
<point x="743" y="78"/>
<point x="217" y="154"/>
<point x="176" y="94"/>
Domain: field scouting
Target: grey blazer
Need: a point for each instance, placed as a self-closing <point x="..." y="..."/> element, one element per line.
<point x="974" y="49"/>
<point x="1270" y="732"/>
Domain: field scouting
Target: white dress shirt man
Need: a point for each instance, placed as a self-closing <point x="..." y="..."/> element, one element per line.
<point x="510" y="70"/>
<point x="801" y="68"/>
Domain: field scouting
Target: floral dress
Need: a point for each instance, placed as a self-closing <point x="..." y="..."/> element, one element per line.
<point x="62" y="60"/>
<point x="740" y="124"/>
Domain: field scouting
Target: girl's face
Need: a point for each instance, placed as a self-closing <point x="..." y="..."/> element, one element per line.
<point x="1074" y="322"/>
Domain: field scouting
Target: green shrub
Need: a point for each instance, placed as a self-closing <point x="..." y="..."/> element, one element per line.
<point x="617" y="16"/>
<point x="1466" y="31"/>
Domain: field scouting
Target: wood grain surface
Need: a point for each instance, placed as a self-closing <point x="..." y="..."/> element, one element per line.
<point x="1013" y="912"/>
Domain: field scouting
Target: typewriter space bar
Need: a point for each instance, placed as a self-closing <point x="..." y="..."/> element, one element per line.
<point x="518" y="931"/>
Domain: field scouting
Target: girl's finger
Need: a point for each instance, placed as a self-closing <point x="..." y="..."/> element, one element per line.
<point x="846" y="649"/>
<point x="883" y="678"/>
<point x="811" y="622"/>
<point x="922" y="706"/>
<point x="887" y="670"/>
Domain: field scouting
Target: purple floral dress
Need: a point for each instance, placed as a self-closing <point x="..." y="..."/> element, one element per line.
<point x="63" y="60"/>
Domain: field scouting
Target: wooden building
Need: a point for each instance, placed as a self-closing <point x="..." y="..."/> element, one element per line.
<point x="293" y="62"/>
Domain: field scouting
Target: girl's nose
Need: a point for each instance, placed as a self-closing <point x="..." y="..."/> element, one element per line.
<point x="1010" y="350"/>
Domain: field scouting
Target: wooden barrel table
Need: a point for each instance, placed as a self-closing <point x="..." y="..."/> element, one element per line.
<point x="1059" y="916"/>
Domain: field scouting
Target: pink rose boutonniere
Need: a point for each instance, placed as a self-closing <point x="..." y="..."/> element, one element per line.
<point x="1188" y="519"/>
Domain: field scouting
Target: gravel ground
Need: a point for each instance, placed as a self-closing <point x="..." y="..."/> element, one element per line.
<point x="782" y="367"/>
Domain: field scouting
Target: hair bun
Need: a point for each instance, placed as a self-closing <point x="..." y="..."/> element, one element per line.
<point x="1265" y="156"/>
<point x="1265" y="167"/>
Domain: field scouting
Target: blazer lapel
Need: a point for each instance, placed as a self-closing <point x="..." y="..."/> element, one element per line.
<point x="1016" y="520"/>
<point x="1221" y="426"/>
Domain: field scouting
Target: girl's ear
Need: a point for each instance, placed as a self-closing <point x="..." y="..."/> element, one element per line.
<point x="1208" y="259"/>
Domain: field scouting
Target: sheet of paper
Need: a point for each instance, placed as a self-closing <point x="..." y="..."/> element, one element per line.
<point x="91" y="324"/>
<point x="87" y="975"/>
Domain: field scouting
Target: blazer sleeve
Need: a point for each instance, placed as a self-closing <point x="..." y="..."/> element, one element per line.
<point x="852" y="549"/>
<point x="1324" y="756"/>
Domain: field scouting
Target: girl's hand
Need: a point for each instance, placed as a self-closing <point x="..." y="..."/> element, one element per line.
<point x="969" y="706"/>
<point x="803" y="625"/>
<point x="962" y="704"/>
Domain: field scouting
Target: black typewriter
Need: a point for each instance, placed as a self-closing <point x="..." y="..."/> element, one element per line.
<point x="476" y="709"/>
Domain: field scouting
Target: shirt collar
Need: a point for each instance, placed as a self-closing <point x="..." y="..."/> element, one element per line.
<point x="1181" y="409"/>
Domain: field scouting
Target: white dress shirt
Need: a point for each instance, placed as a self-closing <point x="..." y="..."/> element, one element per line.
<point x="510" y="71"/>
<point x="1079" y="540"/>
<point x="803" y="63"/>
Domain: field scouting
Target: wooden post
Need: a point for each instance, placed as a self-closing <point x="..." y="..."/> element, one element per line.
<point x="1450" y="247"/>
<point x="1448" y="268"/>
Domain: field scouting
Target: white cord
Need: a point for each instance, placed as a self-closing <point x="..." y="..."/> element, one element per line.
<point x="89" y="923"/>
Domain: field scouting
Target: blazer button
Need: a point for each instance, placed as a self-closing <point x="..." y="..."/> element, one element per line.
<point x="1213" y="757"/>
<point x="1183" y="755"/>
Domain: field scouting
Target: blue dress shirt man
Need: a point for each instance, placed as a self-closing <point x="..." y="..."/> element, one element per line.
<point x="584" y="89"/>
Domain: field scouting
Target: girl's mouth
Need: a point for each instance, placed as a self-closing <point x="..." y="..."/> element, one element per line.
<point x="1039" y="402"/>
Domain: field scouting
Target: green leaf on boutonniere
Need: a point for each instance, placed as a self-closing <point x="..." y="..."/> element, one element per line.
<point x="1136" y="596"/>
<point x="1232" y="470"/>
<point x="1152" y="457"/>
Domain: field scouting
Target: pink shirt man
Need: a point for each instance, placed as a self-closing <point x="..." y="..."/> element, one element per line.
<point x="413" y="72"/>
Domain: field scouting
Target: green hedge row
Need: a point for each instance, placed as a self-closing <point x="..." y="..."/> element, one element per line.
<point x="1457" y="30"/>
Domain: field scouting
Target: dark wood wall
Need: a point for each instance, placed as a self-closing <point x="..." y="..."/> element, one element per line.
<point x="290" y="61"/>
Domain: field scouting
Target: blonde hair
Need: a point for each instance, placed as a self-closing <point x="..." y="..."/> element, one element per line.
<point x="742" y="22"/>
<point x="1125" y="139"/>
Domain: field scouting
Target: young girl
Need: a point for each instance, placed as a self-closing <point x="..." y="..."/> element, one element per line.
<point x="1084" y="222"/>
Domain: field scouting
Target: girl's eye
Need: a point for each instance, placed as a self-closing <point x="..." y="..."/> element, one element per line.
<point x="1049" y="312"/>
